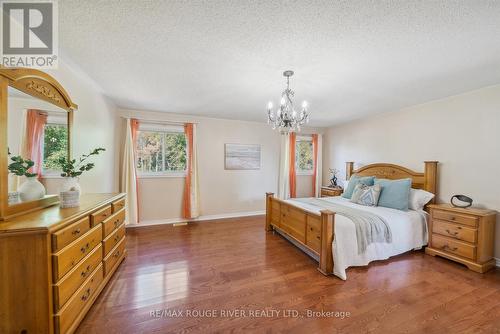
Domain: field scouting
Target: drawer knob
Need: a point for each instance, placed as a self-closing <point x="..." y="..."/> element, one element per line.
<point x="86" y="295"/>
<point x="86" y="272"/>
<point x="452" y="233"/>
<point x="77" y="231"/>
<point x="447" y="247"/>
<point x="117" y="254"/>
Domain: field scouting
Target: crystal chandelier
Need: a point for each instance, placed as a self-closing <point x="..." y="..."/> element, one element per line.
<point x="286" y="118"/>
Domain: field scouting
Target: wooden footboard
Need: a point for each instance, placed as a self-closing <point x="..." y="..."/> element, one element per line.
<point x="312" y="231"/>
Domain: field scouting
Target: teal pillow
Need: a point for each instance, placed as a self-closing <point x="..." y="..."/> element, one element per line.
<point x="395" y="193"/>
<point x="366" y="180"/>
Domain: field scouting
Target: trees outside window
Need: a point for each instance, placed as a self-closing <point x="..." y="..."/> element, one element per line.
<point x="161" y="153"/>
<point x="304" y="156"/>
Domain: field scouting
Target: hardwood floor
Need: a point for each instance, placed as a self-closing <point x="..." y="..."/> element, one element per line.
<point x="234" y="265"/>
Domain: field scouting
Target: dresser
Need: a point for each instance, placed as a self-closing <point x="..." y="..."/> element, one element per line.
<point x="55" y="262"/>
<point x="462" y="235"/>
<point x="329" y="191"/>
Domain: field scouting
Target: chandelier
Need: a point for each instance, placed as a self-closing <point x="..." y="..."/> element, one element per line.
<point x="286" y="118"/>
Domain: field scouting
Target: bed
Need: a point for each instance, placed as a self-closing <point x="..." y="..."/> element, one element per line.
<point x="329" y="238"/>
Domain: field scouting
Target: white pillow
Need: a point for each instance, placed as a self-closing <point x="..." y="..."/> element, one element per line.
<point x="418" y="199"/>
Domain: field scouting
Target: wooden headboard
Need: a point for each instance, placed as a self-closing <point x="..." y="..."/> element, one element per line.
<point x="427" y="180"/>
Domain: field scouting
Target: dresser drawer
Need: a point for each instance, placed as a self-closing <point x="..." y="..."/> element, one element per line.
<point x="113" y="239"/>
<point x="99" y="216"/>
<point x="455" y="218"/>
<point x="454" y="231"/>
<point x="112" y="223"/>
<point x="75" y="278"/>
<point x="67" y="235"/>
<point x="114" y="256"/>
<point x="64" y="319"/>
<point x="69" y="257"/>
<point x="453" y="247"/>
<point x="330" y="192"/>
<point x="313" y="237"/>
<point x="118" y="205"/>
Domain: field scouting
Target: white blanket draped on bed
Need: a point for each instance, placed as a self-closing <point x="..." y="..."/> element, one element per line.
<point x="409" y="231"/>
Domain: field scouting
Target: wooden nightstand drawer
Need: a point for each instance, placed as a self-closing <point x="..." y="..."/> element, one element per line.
<point x="67" y="235"/>
<point x="455" y="218"/>
<point x="455" y="247"/>
<point x="454" y="231"/>
<point x="330" y="192"/>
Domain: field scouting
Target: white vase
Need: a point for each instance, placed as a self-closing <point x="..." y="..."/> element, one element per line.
<point x="31" y="190"/>
<point x="69" y="193"/>
<point x="71" y="184"/>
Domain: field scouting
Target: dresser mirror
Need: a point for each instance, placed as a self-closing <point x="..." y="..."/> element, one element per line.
<point x="36" y="120"/>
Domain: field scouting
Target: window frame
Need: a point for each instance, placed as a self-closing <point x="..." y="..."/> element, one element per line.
<point x="164" y="129"/>
<point x="55" y="118"/>
<point x="301" y="172"/>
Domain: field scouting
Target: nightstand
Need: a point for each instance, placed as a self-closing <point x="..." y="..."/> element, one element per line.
<point x="463" y="235"/>
<point x="330" y="192"/>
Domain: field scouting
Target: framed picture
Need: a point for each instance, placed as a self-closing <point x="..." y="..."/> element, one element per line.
<point x="242" y="156"/>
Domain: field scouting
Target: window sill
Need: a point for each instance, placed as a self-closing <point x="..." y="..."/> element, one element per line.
<point x="304" y="173"/>
<point x="160" y="176"/>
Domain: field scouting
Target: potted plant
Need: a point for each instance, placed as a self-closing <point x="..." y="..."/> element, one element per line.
<point x="71" y="171"/>
<point x="31" y="189"/>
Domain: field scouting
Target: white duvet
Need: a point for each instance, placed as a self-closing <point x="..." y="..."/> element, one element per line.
<point x="409" y="231"/>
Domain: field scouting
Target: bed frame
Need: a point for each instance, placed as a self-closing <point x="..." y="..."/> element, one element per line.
<point x="314" y="233"/>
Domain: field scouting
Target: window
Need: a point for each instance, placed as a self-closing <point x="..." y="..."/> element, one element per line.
<point x="55" y="143"/>
<point x="161" y="150"/>
<point x="304" y="156"/>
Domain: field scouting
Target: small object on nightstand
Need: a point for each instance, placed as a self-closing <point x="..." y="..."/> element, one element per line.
<point x="331" y="191"/>
<point x="465" y="235"/>
<point x="333" y="180"/>
<point x="461" y="198"/>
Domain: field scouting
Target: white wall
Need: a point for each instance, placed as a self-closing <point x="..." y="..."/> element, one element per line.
<point x="461" y="132"/>
<point x="94" y="126"/>
<point x="221" y="191"/>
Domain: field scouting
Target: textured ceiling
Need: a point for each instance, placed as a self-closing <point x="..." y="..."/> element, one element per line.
<point x="225" y="58"/>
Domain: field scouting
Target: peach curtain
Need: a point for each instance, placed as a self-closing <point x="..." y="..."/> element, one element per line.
<point x="190" y="199"/>
<point x="35" y="123"/>
<point x="291" y="169"/>
<point x="134" y="129"/>
<point x="315" y="163"/>
<point x="128" y="181"/>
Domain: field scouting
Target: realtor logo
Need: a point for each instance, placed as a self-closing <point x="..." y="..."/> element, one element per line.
<point x="29" y="33"/>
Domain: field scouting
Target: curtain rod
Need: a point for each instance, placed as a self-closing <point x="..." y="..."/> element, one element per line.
<point x="159" y="121"/>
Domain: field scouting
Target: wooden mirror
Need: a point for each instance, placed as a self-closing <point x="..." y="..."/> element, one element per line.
<point x="36" y="118"/>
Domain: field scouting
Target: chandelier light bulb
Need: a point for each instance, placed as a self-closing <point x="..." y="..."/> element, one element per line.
<point x="304" y="104"/>
<point x="269" y="105"/>
<point x="282" y="102"/>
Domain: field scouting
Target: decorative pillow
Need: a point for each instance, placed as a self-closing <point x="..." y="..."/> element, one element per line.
<point x="395" y="193"/>
<point x="366" y="195"/>
<point x="366" y="180"/>
<point x="419" y="198"/>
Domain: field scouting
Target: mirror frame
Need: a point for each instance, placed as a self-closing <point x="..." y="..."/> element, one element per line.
<point x="40" y="85"/>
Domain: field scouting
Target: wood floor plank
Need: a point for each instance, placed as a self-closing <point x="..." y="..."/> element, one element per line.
<point x="234" y="265"/>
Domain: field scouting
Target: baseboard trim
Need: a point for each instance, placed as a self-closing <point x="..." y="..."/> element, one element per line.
<point x="199" y="219"/>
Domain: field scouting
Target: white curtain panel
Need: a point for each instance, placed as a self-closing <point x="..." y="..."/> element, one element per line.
<point x="284" y="180"/>
<point x="195" y="191"/>
<point x="318" y="166"/>
<point x="128" y="178"/>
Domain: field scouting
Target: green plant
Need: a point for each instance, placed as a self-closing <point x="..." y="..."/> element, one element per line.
<point x="21" y="167"/>
<point x="72" y="168"/>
